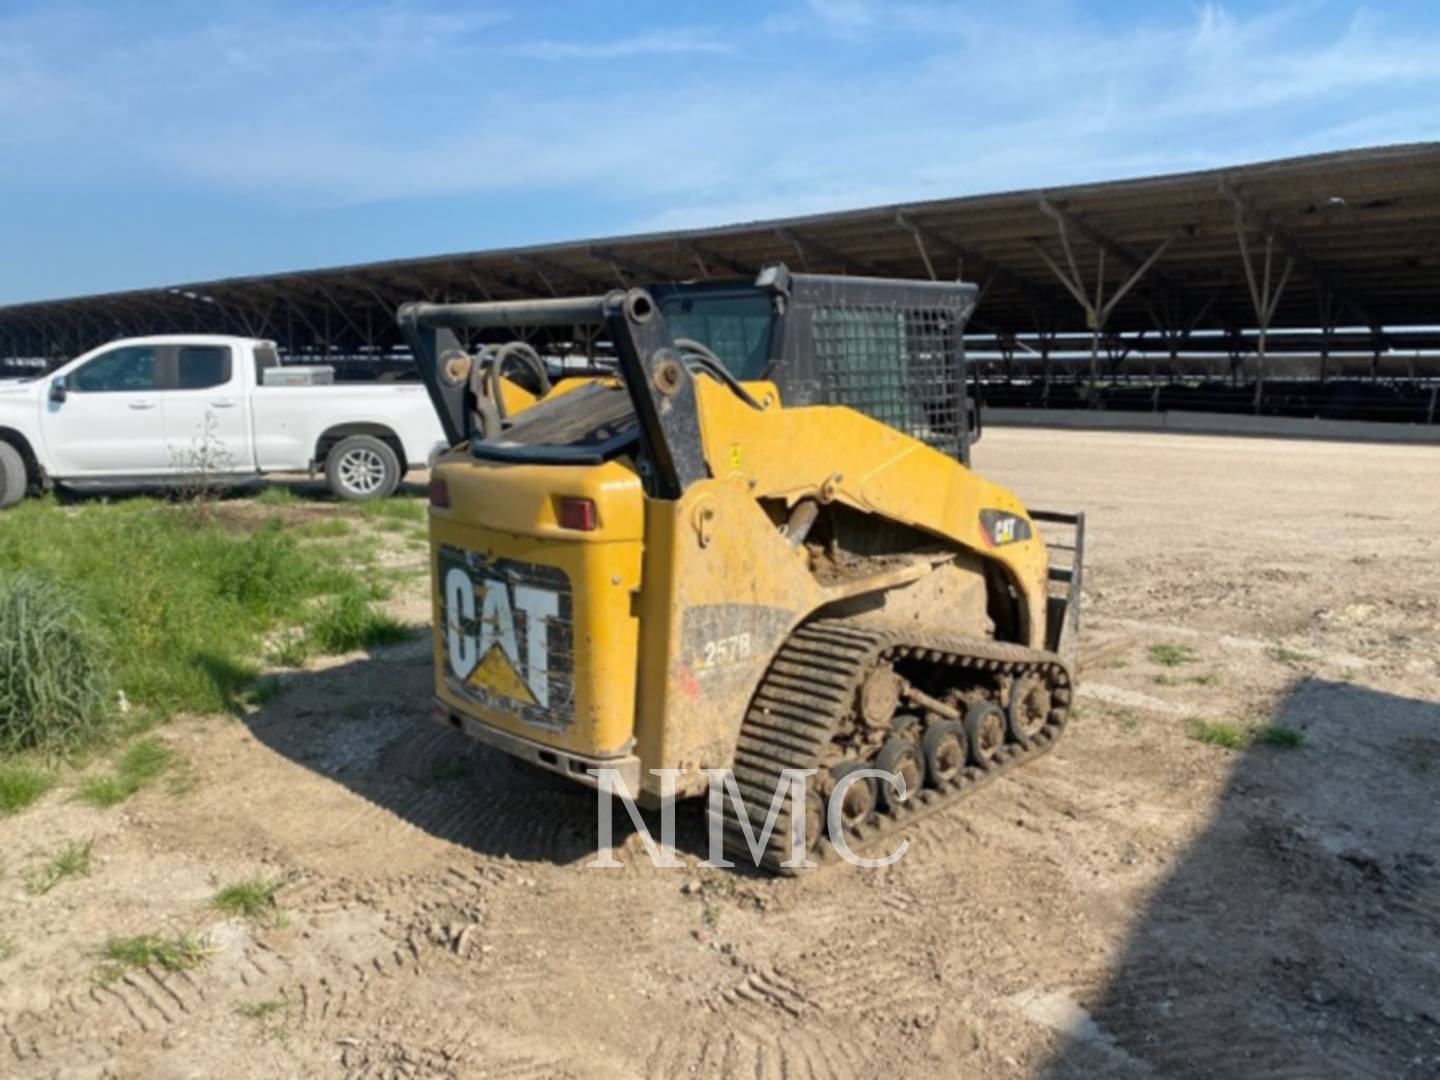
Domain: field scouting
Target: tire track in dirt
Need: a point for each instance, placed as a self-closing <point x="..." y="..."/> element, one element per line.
<point x="100" y="1015"/>
<point x="768" y="988"/>
<point x="438" y="918"/>
<point x="795" y="1052"/>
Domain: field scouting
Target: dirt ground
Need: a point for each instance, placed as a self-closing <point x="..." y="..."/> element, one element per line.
<point x="1136" y="904"/>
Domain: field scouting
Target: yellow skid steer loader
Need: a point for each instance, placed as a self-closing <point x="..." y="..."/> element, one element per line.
<point x="747" y="537"/>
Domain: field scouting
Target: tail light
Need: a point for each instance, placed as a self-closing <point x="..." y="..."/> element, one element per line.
<point x="578" y="514"/>
<point x="439" y="492"/>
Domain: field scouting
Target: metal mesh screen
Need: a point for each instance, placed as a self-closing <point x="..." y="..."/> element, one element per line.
<point x="901" y="366"/>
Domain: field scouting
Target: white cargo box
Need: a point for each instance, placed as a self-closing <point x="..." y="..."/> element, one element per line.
<point x="300" y="375"/>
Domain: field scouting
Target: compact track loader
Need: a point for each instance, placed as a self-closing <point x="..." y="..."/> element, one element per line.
<point x="745" y="537"/>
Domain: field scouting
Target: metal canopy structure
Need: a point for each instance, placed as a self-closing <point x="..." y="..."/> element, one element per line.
<point x="1345" y="241"/>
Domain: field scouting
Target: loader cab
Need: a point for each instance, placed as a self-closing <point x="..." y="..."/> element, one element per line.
<point x="824" y="341"/>
<point x="735" y="321"/>
<point x="892" y="350"/>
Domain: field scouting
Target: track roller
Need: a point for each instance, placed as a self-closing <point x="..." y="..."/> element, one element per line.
<point x="1029" y="708"/>
<point x="858" y="802"/>
<point x="900" y="756"/>
<point x="985" y="732"/>
<point x="945" y="749"/>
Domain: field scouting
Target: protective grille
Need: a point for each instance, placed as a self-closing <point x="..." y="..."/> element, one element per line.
<point x="901" y="366"/>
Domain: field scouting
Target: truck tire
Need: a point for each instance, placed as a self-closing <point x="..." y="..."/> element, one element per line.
<point x="13" y="479"/>
<point x="361" y="467"/>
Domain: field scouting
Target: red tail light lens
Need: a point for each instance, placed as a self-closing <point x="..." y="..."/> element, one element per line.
<point x="439" y="492"/>
<point x="578" y="514"/>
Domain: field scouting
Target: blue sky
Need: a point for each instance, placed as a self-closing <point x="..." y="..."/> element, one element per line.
<point x="145" y="144"/>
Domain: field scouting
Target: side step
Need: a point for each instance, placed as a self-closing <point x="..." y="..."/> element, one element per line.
<point x="1065" y="539"/>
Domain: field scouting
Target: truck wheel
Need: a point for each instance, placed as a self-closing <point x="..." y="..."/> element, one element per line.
<point x="13" y="480"/>
<point x="362" y="467"/>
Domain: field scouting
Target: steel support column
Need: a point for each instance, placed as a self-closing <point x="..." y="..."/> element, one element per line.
<point x="1262" y="296"/>
<point x="1097" y="309"/>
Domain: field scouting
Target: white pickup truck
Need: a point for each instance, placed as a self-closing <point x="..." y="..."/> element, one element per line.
<point x="152" y="410"/>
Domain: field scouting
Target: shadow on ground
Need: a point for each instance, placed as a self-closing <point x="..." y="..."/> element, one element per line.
<point x="366" y="724"/>
<point x="309" y="489"/>
<point x="1300" y="935"/>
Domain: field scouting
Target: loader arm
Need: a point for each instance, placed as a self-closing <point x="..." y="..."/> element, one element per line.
<point x="659" y="384"/>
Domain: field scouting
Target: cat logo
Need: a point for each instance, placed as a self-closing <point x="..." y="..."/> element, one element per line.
<point x="486" y="653"/>
<point x="1000" y="528"/>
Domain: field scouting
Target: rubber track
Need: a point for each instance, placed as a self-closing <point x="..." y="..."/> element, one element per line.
<point x="810" y="688"/>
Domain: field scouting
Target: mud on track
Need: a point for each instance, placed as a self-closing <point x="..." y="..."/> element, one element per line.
<point x="1135" y="904"/>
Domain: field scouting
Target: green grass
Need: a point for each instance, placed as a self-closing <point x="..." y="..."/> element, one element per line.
<point x="253" y="898"/>
<point x="21" y="785"/>
<point x="277" y="495"/>
<point x="263" y="692"/>
<point x="349" y="622"/>
<point x="289" y="649"/>
<point x="325" y="529"/>
<point x="1220" y="733"/>
<point x="73" y="860"/>
<point x="1208" y="679"/>
<point x="54" y="682"/>
<point x="262" y="1010"/>
<point x="7" y="948"/>
<point x="169" y="610"/>
<point x="340" y="624"/>
<point x="149" y="950"/>
<point x="1230" y="736"/>
<point x="137" y="767"/>
<point x="1167" y="654"/>
<point x="356" y="551"/>
<point x="1281" y="738"/>
<point x="397" y="508"/>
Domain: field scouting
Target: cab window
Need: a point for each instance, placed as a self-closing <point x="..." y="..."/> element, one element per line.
<point x="199" y="367"/>
<point x="733" y="325"/>
<point x="129" y="369"/>
<point x="265" y="359"/>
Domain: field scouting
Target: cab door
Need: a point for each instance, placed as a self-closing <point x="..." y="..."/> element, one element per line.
<point x="109" y="420"/>
<point x="206" y="424"/>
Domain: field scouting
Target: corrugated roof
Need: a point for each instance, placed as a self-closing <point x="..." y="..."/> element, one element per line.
<point x="1360" y="230"/>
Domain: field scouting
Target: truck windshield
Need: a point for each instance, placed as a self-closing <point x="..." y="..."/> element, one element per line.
<point x="733" y="323"/>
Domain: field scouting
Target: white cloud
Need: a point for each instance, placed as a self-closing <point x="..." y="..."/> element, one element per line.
<point x="655" y="43"/>
<point x="847" y="13"/>
<point x="1004" y="104"/>
<point x="397" y="103"/>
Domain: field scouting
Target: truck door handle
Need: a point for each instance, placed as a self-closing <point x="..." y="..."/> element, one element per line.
<point x="223" y="404"/>
<point x="142" y="404"/>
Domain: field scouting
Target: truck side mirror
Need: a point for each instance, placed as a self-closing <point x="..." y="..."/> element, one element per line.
<point x="58" y="393"/>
